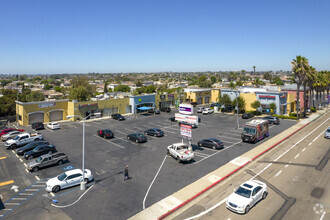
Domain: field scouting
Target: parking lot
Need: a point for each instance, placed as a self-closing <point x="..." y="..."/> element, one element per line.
<point x="114" y="198"/>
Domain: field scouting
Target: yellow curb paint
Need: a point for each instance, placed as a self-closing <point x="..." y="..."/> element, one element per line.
<point x="2" y="158"/>
<point x="7" y="182"/>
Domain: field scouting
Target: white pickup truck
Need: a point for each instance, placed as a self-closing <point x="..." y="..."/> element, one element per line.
<point x="180" y="152"/>
<point x="23" y="139"/>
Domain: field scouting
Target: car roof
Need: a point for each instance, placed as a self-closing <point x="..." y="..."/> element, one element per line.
<point x="250" y="184"/>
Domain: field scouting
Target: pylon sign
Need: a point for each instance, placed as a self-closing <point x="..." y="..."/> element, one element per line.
<point x="186" y="131"/>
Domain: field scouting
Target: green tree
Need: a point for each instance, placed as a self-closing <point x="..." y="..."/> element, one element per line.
<point x="122" y="88"/>
<point x="105" y="90"/>
<point x="140" y="90"/>
<point x="299" y="68"/>
<point x="241" y="103"/>
<point x="213" y="79"/>
<point x="35" y="96"/>
<point x="151" y="89"/>
<point x="272" y="106"/>
<point x="268" y="76"/>
<point x="239" y="83"/>
<point x="48" y="87"/>
<point x="256" y="105"/>
<point x="232" y="85"/>
<point x="277" y="80"/>
<point x="80" y="93"/>
<point x="225" y="100"/>
<point x="57" y="89"/>
<point x="257" y="82"/>
<point x="254" y="70"/>
<point x="7" y="102"/>
<point x="138" y="83"/>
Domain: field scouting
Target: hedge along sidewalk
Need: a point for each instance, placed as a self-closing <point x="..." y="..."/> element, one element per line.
<point x="172" y="203"/>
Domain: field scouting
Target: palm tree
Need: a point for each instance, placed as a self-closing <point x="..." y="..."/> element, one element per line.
<point x="254" y="70"/>
<point x="232" y="85"/>
<point x="310" y="82"/>
<point x="299" y="66"/>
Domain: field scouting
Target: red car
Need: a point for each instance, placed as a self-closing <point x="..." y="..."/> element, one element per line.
<point x="5" y="131"/>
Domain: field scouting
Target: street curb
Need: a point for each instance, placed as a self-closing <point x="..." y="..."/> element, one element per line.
<point x="231" y="173"/>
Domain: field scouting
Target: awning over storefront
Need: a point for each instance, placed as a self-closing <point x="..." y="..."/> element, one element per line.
<point x="144" y="108"/>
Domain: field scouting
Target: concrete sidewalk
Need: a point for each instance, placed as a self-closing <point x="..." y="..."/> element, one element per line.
<point x="173" y="202"/>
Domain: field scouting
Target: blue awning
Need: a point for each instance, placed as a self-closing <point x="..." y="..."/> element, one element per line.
<point x="143" y="108"/>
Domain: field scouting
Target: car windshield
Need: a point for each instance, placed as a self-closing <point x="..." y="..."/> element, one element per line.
<point x="16" y="138"/>
<point x="39" y="159"/>
<point x="158" y="130"/>
<point x="216" y="140"/>
<point x="36" y="149"/>
<point x="140" y="135"/>
<point x="249" y="130"/>
<point x="107" y="131"/>
<point x="328" y="130"/>
<point x="243" y="192"/>
<point x="62" y="177"/>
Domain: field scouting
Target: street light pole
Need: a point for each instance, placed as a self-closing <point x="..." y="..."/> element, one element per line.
<point x="82" y="183"/>
<point x="237" y="111"/>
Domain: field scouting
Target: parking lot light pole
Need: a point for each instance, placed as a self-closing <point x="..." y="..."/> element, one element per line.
<point x="82" y="183"/>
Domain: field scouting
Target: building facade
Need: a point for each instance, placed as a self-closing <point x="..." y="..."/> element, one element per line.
<point x="279" y="98"/>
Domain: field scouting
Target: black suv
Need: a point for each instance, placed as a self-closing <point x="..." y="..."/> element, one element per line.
<point x="20" y="151"/>
<point x="37" y="126"/>
<point x="272" y="120"/>
<point x="118" y="117"/>
<point x="105" y="133"/>
<point x="40" y="150"/>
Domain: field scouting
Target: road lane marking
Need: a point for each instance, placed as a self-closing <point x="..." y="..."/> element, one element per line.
<point x="32" y="189"/>
<point x="25" y="165"/>
<point x="278" y="173"/>
<point x="208" y="210"/>
<point x="318" y="136"/>
<point x="36" y="185"/>
<point x="19" y="198"/>
<point x="52" y="194"/>
<point x="26" y="170"/>
<point x="263" y="170"/>
<point x="21" y="160"/>
<point x="12" y="203"/>
<point x="310" y="143"/>
<point x="323" y="214"/>
<point x="145" y="197"/>
<point x="7" y="182"/>
<point x="303" y="149"/>
<point x="1" y="158"/>
<point x="296" y="156"/>
<point x="286" y="165"/>
<point x="26" y="194"/>
<point x="37" y="177"/>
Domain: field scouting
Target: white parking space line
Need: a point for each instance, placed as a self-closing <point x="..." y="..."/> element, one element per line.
<point x="36" y="185"/>
<point x="237" y="131"/>
<point x="198" y="153"/>
<point x="219" y="151"/>
<point x="303" y="149"/>
<point x="228" y="137"/>
<point x="32" y="189"/>
<point x="210" y="149"/>
<point x="129" y="130"/>
<point x="12" y="203"/>
<point x="278" y="173"/>
<point x="168" y="131"/>
<point x="229" y="134"/>
<point x="296" y="156"/>
<point x="120" y="132"/>
<point x="26" y="194"/>
<point x="109" y="141"/>
<point x="19" y="198"/>
<point x="49" y="129"/>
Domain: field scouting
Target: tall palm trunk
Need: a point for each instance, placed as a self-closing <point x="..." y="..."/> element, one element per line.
<point x="305" y="99"/>
<point x="298" y="104"/>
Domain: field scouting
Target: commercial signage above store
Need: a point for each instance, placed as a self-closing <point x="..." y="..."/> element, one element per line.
<point x="87" y="105"/>
<point x="47" y="105"/>
<point x="266" y="97"/>
<point x="186" y="109"/>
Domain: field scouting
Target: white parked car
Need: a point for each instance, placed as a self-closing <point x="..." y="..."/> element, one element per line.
<point x="200" y="109"/>
<point x="207" y="111"/>
<point x="68" y="179"/>
<point x="53" y="125"/>
<point x="246" y="196"/>
<point x="327" y="133"/>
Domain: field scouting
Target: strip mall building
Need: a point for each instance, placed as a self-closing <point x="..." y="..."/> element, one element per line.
<point x="47" y="111"/>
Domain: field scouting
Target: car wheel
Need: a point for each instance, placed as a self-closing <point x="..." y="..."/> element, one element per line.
<point x="247" y="209"/>
<point x="128" y="138"/>
<point x="145" y="132"/>
<point x="264" y="195"/>
<point x="136" y="141"/>
<point x="200" y="144"/>
<point x="178" y="159"/>
<point x="37" y="139"/>
<point x="267" y="134"/>
<point x="168" y="153"/>
<point x="155" y="135"/>
<point x="56" y="189"/>
<point x="60" y="162"/>
<point x="86" y="180"/>
<point x="13" y="146"/>
<point x="35" y="169"/>
<point x="213" y="147"/>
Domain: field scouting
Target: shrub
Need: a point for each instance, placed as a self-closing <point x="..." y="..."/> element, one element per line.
<point x="286" y="117"/>
<point x="313" y="109"/>
<point x="293" y="114"/>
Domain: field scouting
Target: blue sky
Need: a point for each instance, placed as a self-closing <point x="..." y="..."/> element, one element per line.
<point x="71" y="36"/>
